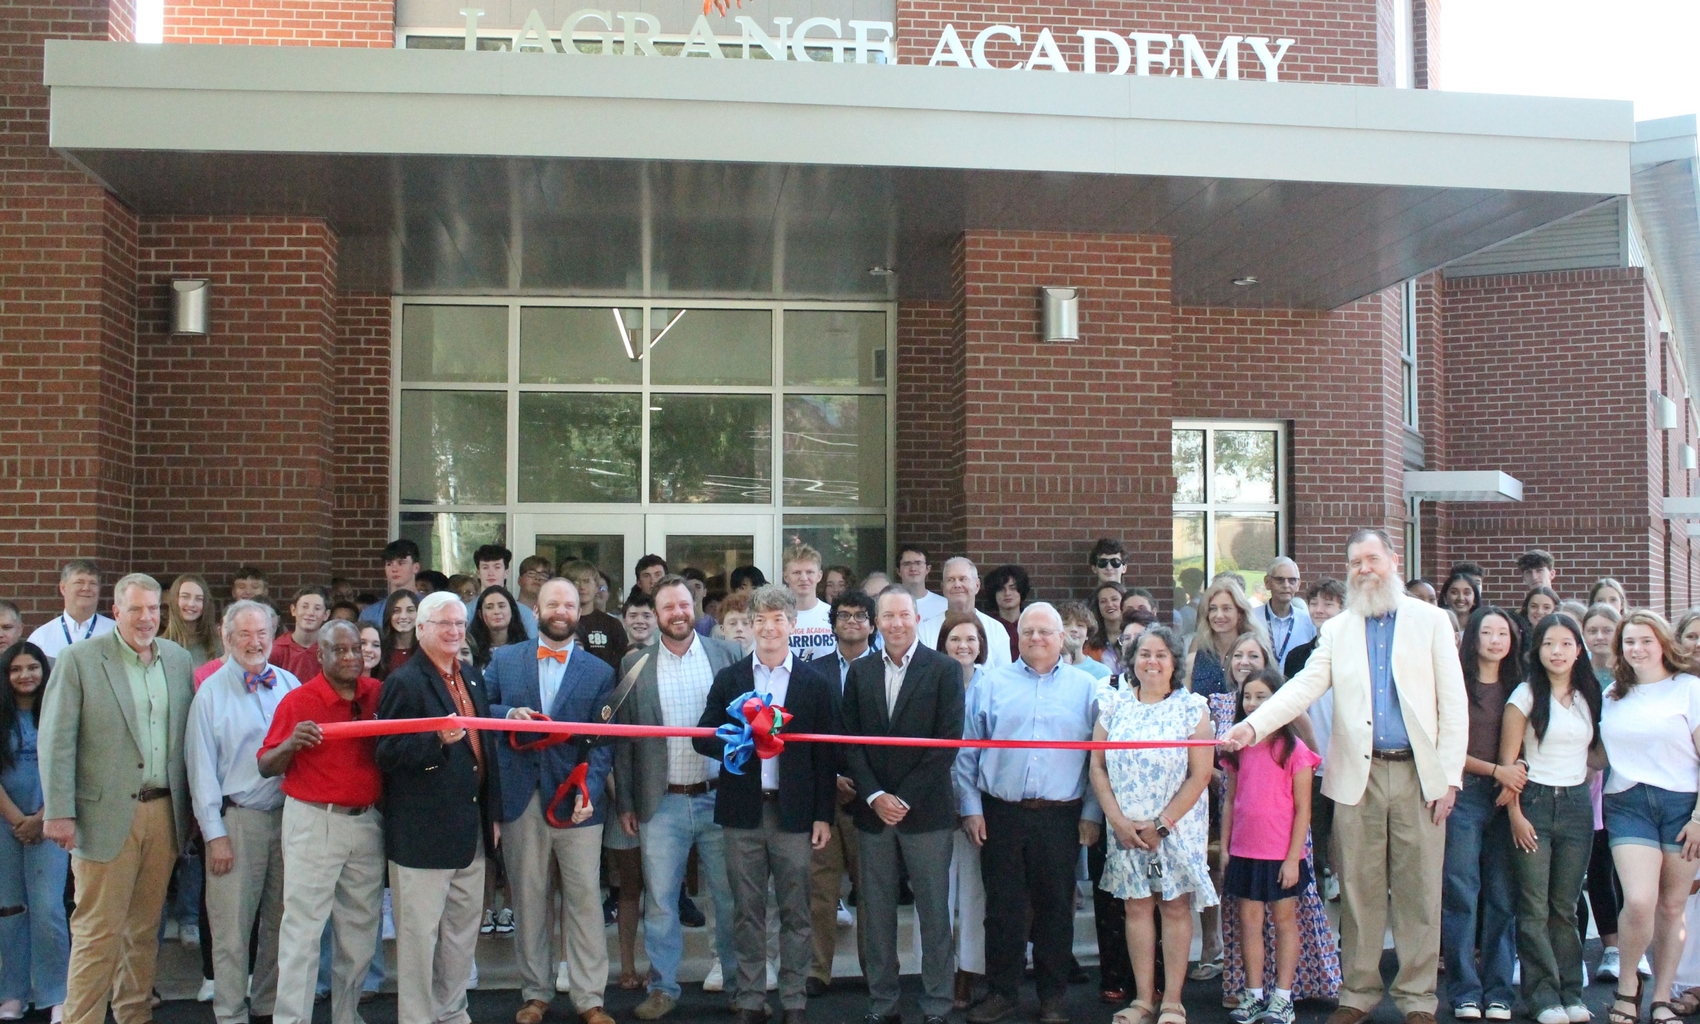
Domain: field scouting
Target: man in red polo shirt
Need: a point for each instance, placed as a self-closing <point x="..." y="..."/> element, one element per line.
<point x="333" y="836"/>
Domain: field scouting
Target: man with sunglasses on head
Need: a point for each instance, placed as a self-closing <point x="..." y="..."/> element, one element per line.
<point x="333" y="835"/>
<point x="1108" y="561"/>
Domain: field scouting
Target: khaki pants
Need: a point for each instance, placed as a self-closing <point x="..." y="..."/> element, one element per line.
<point x="1390" y="834"/>
<point x="826" y="875"/>
<point x="253" y="887"/>
<point x="437" y="913"/>
<point x="113" y="940"/>
<point x="333" y="870"/>
<point x="529" y="845"/>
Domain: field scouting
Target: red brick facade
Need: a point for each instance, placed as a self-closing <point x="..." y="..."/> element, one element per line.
<point x="360" y="462"/>
<point x="282" y="22"/>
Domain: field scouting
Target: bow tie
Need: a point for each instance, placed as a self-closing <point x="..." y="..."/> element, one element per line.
<point x="254" y="680"/>
<point x="545" y="653"/>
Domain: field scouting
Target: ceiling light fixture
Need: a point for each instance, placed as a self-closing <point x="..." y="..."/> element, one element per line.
<point x="625" y="335"/>
<point x="669" y="327"/>
<point x="1245" y="282"/>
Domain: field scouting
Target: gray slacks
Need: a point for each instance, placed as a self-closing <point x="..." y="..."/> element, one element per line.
<point x="253" y="887"/>
<point x="753" y="856"/>
<point x="927" y="856"/>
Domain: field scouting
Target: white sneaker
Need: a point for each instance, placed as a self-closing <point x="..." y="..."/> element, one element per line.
<point x="1331" y="889"/>
<point x="1576" y="1013"/>
<point x="1497" y="1011"/>
<point x="169" y="932"/>
<point x="561" y="983"/>
<point x="844" y="918"/>
<point x="1608" y="965"/>
<point x="472" y="980"/>
<point x="716" y="980"/>
<point x="1552" y="1015"/>
<point x="12" y="1009"/>
<point x="772" y="975"/>
<point x="189" y="934"/>
<point x="206" y="993"/>
<point x="488" y="925"/>
<point x="56" y="1015"/>
<point x="1644" y="969"/>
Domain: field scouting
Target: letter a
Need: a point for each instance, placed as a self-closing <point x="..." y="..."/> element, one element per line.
<point x="950" y="50"/>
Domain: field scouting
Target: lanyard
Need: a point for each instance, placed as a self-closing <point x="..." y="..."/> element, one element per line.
<point x="1292" y="620"/>
<point x="65" y="625"/>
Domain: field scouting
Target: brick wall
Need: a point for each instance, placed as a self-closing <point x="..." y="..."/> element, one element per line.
<point x="361" y="444"/>
<point x="233" y="430"/>
<point x="1335" y="40"/>
<point x="67" y="266"/>
<point x="1326" y="374"/>
<point x="1547" y="378"/>
<point x="281" y="22"/>
<point x="928" y="447"/>
<point x="1066" y="443"/>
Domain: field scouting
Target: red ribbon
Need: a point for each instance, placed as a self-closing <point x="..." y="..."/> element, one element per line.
<point x="402" y="726"/>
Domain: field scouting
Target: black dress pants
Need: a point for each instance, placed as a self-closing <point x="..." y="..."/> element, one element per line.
<point x="1028" y="865"/>
<point x="1109" y="915"/>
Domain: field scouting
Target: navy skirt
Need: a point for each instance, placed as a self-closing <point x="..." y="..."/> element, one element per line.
<point x="1260" y="880"/>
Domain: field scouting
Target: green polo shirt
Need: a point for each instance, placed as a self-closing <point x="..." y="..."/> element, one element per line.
<point x="153" y="710"/>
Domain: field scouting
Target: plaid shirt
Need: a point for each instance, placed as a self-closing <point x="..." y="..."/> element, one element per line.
<point x="683" y="685"/>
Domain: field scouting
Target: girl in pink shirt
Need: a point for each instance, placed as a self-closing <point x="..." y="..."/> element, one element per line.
<point x="1265" y="819"/>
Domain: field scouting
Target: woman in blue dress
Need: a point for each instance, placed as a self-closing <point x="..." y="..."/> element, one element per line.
<point x="35" y="942"/>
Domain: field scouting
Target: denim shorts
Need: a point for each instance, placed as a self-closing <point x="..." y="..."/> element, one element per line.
<point x="1644" y="815"/>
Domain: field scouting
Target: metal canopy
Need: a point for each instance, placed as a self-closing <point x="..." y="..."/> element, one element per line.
<point x="1666" y="197"/>
<point x="493" y="173"/>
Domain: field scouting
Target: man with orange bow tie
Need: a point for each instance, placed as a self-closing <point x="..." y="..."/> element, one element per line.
<point x="544" y="815"/>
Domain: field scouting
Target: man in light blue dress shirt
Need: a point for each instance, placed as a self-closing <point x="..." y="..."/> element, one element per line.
<point x="240" y="812"/>
<point x="1029" y="811"/>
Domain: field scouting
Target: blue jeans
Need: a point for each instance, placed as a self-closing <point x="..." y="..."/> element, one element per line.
<point x="374" y="974"/>
<point x="679" y="822"/>
<point x="35" y="946"/>
<point x="1477" y="884"/>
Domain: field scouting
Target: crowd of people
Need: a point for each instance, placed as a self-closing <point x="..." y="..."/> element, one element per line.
<point x="1479" y="779"/>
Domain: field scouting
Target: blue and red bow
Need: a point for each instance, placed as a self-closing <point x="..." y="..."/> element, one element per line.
<point x="754" y="729"/>
<point x="254" y="680"/>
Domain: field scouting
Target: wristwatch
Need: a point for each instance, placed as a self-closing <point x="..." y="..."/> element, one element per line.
<point x="1162" y="829"/>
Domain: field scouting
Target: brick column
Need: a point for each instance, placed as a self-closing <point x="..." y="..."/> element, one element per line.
<point x="360" y="454"/>
<point x="234" y="430"/>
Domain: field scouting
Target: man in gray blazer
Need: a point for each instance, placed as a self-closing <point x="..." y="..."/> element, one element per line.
<point x="664" y="789"/>
<point x="116" y="795"/>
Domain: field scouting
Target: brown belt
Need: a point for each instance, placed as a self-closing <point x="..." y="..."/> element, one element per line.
<point x="1043" y="805"/>
<point x="695" y="788"/>
<point x="336" y="808"/>
<point x="150" y="795"/>
<point x="1392" y="755"/>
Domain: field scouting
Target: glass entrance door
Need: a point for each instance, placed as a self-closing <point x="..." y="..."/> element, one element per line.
<point x="716" y="544"/>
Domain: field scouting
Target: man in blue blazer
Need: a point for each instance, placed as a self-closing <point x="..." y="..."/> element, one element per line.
<point x="554" y="677"/>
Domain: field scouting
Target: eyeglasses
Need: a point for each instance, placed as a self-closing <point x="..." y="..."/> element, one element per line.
<point x="1290" y="580"/>
<point x="532" y="574"/>
<point x="1113" y="562"/>
<point x="852" y="616"/>
<point x="449" y="625"/>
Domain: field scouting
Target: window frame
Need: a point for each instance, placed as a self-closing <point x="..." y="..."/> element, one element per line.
<point x="1408" y="354"/>
<point x="1210" y="507"/>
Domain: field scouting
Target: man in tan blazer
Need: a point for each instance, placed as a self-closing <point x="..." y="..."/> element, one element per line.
<point x="117" y="796"/>
<point x="1394" y="766"/>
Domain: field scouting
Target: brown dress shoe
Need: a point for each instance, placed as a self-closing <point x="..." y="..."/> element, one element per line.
<point x="1349" y="1015"/>
<point x="596" y="1015"/>
<point x="532" y="1012"/>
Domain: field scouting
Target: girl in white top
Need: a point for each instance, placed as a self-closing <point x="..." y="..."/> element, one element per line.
<point x="1551" y="721"/>
<point x="1650" y="724"/>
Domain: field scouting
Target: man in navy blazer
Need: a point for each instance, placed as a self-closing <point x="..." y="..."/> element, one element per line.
<point x="776" y="811"/>
<point x="441" y="791"/>
<point x="553" y="677"/>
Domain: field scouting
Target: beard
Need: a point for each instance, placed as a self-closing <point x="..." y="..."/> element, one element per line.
<point x="1372" y="596"/>
<point x="557" y="628"/>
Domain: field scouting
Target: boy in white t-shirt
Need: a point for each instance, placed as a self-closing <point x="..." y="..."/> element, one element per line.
<point x="812" y="638"/>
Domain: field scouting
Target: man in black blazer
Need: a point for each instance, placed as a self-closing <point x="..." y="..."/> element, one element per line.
<point x="442" y="794"/>
<point x="776" y="811"/>
<point x="906" y="802"/>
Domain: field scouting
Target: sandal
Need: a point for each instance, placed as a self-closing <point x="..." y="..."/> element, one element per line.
<point x="1172" y="1013"/>
<point x="1137" y="1012"/>
<point x="1633" y="1016"/>
<point x="1205" y="970"/>
<point x="1663" y="1004"/>
<point x="1688" y="1003"/>
<point x="630" y="982"/>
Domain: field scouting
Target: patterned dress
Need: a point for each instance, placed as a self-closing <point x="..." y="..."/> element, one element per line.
<point x="1143" y="782"/>
<point x="1318" y="975"/>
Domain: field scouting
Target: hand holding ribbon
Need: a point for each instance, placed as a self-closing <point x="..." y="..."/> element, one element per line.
<point x="755" y="727"/>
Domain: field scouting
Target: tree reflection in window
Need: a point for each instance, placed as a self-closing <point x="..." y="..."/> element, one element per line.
<point x="580" y="447"/>
<point x="711" y="449"/>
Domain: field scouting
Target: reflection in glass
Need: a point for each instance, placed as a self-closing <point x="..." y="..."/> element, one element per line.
<point x="714" y="554"/>
<point x="454" y="343"/>
<point x="1189" y="573"/>
<point x="1245" y="543"/>
<point x="711" y="346"/>
<point x="579" y="345"/>
<point x="1189" y="465"/>
<point x="837" y="348"/>
<point x="834" y="450"/>
<point x="856" y="541"/>
<point x="1245" y="466"/>
<point x="579" y="447"/>
<point x="605" y="551"/>
<point x="447" y="540"/>
<point x="711" y="448"/>
<point x="454" y="448"/>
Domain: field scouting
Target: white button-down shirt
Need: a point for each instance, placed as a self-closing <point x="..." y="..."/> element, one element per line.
<point x="775" y="682"/>
<point x="226" y="726"/>
<point x="682" y="685"/>
<point x="62" y="631"/>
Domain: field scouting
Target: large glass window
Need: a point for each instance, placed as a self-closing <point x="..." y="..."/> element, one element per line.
<point x="536" y="405"/>
<point x="1230" y="512"/>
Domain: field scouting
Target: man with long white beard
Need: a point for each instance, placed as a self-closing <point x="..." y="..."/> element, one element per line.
<point x="1394" y="766"/>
